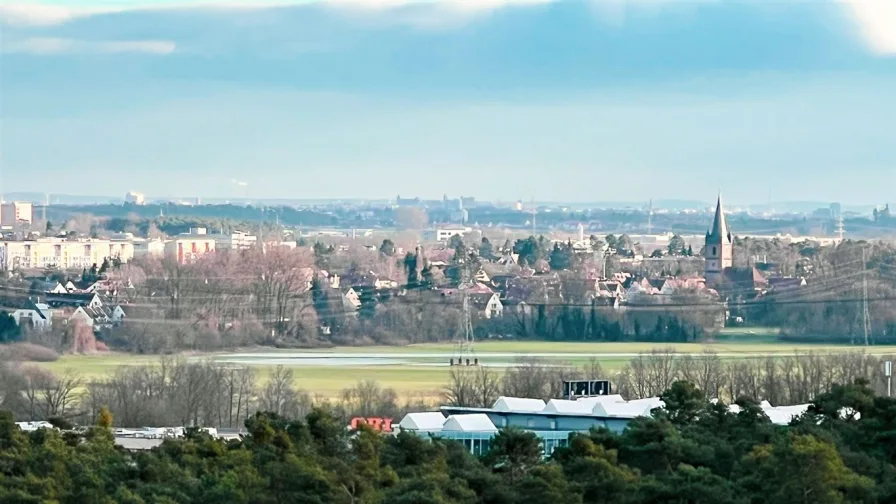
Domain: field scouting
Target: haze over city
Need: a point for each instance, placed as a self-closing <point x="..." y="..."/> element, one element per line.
<point x="563" y="101"/>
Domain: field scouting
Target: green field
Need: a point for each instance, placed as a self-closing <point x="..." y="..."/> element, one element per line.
<point x="411" y="370"/>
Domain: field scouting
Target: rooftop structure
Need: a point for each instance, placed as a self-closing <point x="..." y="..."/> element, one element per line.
<point x="518" y="404"/>
<point x="424" y="421"/>
<point x="475" y="422"/>
<point x="553" y="422"/>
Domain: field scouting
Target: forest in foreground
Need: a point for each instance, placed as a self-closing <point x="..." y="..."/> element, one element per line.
<point x="693" y="451"/>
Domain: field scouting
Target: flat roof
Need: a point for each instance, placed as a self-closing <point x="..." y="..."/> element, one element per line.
<point x="451" y="410"/>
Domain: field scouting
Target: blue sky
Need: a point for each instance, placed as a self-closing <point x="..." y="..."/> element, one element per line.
<point x="561" y="100"/>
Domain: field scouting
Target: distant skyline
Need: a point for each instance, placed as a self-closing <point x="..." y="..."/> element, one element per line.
<point x="659" y="205"/>
<point x="585" y="100"/>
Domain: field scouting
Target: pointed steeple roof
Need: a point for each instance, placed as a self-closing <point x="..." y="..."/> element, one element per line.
<point x="719" y="230"/>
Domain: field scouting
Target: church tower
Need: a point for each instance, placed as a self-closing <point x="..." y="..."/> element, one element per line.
<point x="719" y="251"/>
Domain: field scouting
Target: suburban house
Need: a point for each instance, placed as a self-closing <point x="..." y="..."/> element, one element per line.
<point x="73" y="299"/>
<point x="118" y="315"/>
<point x="743" y="281"/>
<point x="509" y="259"/>
<point x="24" y="310"/>
<point x="47" y="286"/>
<point x="483" y="301"/>
<point x="481" y="276"/>
<point x="487" y="304"/>
<point x="780" y="284"/>
<point x="350" y="298"/>
<point x="610" y="289"/>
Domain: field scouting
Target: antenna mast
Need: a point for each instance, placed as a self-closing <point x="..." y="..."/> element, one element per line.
<point x="463" y="349"/>
<point x="840" y="230"/>
<point x="650" y="217"/>
<point x="866" y="315"/>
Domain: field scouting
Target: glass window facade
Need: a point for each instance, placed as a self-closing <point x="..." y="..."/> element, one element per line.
<point x="478" y="442"/>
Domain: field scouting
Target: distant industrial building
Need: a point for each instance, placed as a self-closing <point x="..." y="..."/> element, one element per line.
<point x="836" y="210"/>
<point x="135" y="198"/>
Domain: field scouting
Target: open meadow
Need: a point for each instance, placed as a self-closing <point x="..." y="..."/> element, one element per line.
<point x="421" y="371"/>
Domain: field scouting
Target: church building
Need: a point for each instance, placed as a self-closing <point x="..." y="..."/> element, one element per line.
<point x="719" y="269"/>
<point x="719" y="250"/>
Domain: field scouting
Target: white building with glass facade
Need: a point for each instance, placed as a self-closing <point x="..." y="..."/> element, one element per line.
<point x="553" y="422"/>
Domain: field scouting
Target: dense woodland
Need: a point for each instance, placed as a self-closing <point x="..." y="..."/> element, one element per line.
<point x="693" y="451"/>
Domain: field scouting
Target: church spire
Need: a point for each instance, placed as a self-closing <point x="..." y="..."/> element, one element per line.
<point x="719" y="249"/>
<point x="719" y="231"/>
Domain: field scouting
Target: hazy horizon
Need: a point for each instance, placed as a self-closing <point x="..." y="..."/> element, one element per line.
<point x="578" y="101"/>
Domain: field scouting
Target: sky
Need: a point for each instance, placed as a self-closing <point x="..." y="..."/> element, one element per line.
<point x="564" y="100"/>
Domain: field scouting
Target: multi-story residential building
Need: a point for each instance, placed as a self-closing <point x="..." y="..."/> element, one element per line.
<point x="62" y="253"/>
<point x="445" y="233"/>
<point x="236" y="240"/>
<point x="148" y="247"/>
<point x="14" y="212"/>
<point x="190" y="246"/>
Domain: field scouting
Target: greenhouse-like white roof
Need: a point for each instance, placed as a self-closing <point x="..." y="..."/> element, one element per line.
<point x="622" y="410"/>
<point x="649" y="402"/>
<point x="476" y="422"/>
<point x="424" y="421"/>
<point x="518" y="404"/>
<point x="564" y="406"/>
<point x="612" y="398"/>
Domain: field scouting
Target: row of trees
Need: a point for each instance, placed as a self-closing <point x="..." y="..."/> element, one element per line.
<point x="781" y="380"/>
<point x="207" y="393"/>
<point x="692" y="451"/>
<point x="178" y="392"/>
<point x="842" y="282"/>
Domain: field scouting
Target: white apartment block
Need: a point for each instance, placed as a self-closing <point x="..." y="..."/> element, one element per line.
<point x="148" y="247"/>
<point x="237" y="240"/>
<point x="189" y="247"/>
<point x="445" y="233"/>
<point x="13" y="212"/>
<point x="62" y="253"/>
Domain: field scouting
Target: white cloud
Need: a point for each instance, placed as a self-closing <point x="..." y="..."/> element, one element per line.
<point x="50" y="45"/>
<point x="461" y="5"/>
<point x="875" y="19"/>
<point x="877" y="22"/>
<point x="36" y="14"/>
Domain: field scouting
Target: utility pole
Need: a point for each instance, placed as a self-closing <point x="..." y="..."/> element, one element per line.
<point x="650" y="217"/>
<point x="534" y="213"/>
<point x="888" y="373"/>
<point x="463" y="349"/>
<point x="866" y="315"/>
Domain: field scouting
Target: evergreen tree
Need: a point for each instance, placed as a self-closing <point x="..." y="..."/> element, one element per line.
<point x="410" y="266"/>
<point x="387" y="248"/>
<point x="485" y="250"/>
